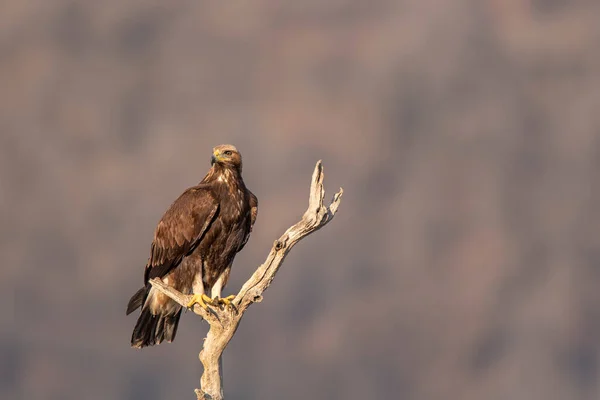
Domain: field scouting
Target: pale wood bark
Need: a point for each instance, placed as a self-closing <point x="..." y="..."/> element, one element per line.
<point x="225" y="321"/>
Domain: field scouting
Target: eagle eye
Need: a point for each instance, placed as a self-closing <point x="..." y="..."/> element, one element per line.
<point x="227" y="152"/>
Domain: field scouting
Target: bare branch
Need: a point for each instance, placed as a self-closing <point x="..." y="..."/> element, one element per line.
<point x="224" y="321"/>
<point x="315" y="217"/>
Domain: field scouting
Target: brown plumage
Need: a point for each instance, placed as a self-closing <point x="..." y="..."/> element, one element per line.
<point x="194" y="245"/>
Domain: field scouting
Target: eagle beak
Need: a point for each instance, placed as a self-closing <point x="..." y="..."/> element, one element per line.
<point x="216" y="156"/>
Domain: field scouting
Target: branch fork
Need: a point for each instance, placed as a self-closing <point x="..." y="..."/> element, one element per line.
<point x="225" y="321"/>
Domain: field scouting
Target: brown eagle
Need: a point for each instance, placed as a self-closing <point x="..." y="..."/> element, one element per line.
<point x="194" y="245"/>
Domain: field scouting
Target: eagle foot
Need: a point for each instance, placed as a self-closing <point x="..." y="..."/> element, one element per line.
<point x="219" y="301"/>
<point x="200" y="299"/>
<point x="225" y="300"/>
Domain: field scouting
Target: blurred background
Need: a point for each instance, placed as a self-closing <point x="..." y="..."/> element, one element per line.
<point x="463" y="263"/>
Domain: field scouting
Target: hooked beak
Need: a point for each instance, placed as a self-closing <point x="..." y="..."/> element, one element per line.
<point x="216" y="156"/>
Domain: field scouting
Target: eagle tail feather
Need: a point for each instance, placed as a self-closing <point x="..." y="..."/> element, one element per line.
<point x="152" y="329"/>
<point x="171" y="324"/>
<point x="137" y="299"/>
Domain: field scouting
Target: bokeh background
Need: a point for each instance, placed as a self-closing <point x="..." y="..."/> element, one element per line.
<point x="463" y="263"/>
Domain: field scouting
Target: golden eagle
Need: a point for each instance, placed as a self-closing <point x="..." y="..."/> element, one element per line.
<point x="194" y="245"/>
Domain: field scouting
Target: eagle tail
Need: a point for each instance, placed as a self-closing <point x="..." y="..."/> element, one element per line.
<point x="137" y="299"/>
<point x="152" y="329"/>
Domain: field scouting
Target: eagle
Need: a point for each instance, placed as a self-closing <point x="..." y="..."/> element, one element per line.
<point x="194" y="245"/>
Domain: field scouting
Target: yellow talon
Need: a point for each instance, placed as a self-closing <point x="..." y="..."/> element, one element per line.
<point x="199" y="299"/>
<point x="226" y="300"/>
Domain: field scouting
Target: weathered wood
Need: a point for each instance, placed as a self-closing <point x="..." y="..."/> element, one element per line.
<point x="225" y="321"/>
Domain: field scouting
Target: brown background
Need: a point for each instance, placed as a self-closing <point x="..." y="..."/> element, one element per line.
<point x="464" y="262"/>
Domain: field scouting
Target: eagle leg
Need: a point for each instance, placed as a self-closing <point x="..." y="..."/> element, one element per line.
<point x="201" y="299"/>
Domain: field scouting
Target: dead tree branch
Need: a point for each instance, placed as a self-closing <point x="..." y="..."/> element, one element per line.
<point x="224" y="322"/>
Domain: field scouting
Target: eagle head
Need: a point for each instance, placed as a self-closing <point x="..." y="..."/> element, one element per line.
<point x="227" y="155"/>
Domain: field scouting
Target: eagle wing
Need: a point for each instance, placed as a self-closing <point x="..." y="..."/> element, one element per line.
<point x="253" y="214"/>
<point x="253" y="208"/>
<point x="181" y="229"/>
